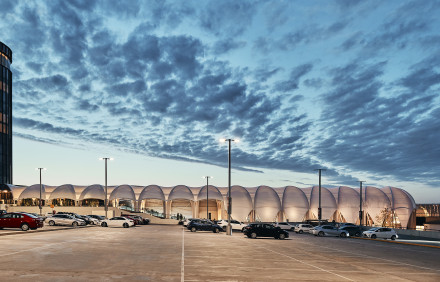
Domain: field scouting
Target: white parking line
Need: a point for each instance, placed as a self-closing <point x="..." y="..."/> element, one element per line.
<point x="182" y="264"/>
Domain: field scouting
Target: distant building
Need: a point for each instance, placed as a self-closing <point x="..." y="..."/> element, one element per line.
<point x="388" y="206"/>
<point x="5" y="114"/>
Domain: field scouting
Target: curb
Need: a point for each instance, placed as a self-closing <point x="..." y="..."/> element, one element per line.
<point x="397" y="242"/>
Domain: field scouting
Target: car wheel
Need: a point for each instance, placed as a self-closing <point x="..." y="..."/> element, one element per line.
<point x="321" y="234"/>
<point x="224" y="228"/>
<point x="75" y="224"/>
<point x="125" y="225"/>
<point x="300" y="232"/>
<point x="51" y="223"/>
<point x="373" y="236"/>
<point x="393" y="237"/>
<point x="253" y="235"/>
<point x="104" y="224"/>
<point x="25" y="227"/>
<point x="343" y="235"/>
<point x="357" y="234"/>
<point x="216" y="230"/>
<point x="193" y="229"/>
<point x="282" y="236"/>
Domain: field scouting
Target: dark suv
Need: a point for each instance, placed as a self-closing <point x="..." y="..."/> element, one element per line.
<point x="255" y="230"/>
<point x="203" y="225"/>
<point x="355" y="231"/>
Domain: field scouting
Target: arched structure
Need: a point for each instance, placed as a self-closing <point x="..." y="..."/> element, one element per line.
<point x="152" y="198"/>
<point x="348" y="204"/>
<point x="214" y="202"/>
<point x="377" y="204"/>
<point x="402" y="204"/>
<point x="267" y="204"/>
<point x="93" y="196"/>
<point x="181" y="200"/>
<point x="33" y="192"/>
<point x="295" y="204"/>
<point x="124" y="196"/>
<point x="241" y="204"/>
<point x="328" y="203"/>
<point x="63" y="195"/>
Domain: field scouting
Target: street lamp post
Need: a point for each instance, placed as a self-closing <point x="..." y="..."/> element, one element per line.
<point x="106" y="201"/>
<point x="41" y="189"/>
<point x="319" y="207"/>
<point x="229" y="228"/>
<point x="207" y="188"/>
<point x="360" y="204"/>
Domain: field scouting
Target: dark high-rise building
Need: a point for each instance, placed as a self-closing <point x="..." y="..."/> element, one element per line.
<point x="5" y="114"/>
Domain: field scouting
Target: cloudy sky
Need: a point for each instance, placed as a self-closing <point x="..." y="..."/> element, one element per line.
<point x="349" y="86"/>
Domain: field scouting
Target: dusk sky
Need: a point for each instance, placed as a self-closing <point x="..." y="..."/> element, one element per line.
<point x="349" y="86"/>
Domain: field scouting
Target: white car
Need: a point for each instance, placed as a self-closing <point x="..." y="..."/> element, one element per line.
<point x="381" y="233"/>
<point x="284" y="225"/>
<point x="235" y="224"/>
<point x="301" y="228"/>
<point x="64" y="219"/>
<point x="117" y="221"/>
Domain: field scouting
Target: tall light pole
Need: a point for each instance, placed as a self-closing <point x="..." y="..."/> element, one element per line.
<point x="360" y="203"/>
<point x="106" y="201"/>
<point x="319" y="207"/>
<point x="41" y="189"/>
<point x="207" y="188"/>
<point x="229" y="228"/>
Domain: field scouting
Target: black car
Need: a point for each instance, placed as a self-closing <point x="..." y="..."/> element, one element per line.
<point x="203" y="225"/>
<point x="355" y="231"/>
<point x="255" y="230"/>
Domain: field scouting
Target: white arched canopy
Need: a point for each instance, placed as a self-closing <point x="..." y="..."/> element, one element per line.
<point x="295" y="204"/>
<point x="181" y="192"/>
<point x="401" y="203"/>
<point x="65" y="191"/>
<point x="123" y="192"/>
<point x="95" y="191"/>
<point x="267" y="204"/>
<point x="376" y="201"/>
<point x="241" y="203"/>
<point x="33" y="192"/>
<point x="328" y="203"/>
<point x="213" y="193"/>
<point x="348" y="203"/>
<point x="152" y="192"/>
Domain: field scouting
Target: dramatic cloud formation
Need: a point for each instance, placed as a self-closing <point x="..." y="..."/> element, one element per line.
<point x="353" y="90"/>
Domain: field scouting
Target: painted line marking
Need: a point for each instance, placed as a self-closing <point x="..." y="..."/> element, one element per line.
<point x="182" y="264"/>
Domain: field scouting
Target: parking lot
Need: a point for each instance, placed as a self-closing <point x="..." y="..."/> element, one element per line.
<point x="171" y="253"/>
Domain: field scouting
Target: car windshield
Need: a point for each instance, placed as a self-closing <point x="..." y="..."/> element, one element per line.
<point x="374" y="229"/>
<point x="30" y="215"/>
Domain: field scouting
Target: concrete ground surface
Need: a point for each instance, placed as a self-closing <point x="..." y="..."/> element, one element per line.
<point x="171" y="253"/>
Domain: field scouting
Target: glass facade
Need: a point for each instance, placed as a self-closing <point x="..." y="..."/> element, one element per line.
<point x="5" y="114"/>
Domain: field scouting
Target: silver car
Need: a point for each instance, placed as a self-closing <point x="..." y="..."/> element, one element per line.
<point x="329" y="230"/>
<point x="64" y="219"/>
<point x="301" y="228"/>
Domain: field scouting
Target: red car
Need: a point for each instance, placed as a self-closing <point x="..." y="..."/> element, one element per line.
<point x="22" y="220"/>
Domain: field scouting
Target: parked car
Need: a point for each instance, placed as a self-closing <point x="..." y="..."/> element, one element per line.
<point x="139" y="219"/>
<point x="301" y="228"/>
<point x="285" y="226"/>
<point x="75" y="215"/>
<point x="117" y="221"/>
<point x="97" y="217"/>
<point x="235" y="224"/>
<point x="381" y="233"/>
<point x="22" y="220"/>
<point x="64" y="219"/>
<point x="204" y="225"/>
<point x="353" y="230"/>
<point x="186" y="221"/>
<point x="329" y="230"/>
<point x="90" y="220"/>
<point x="255" y="230"/>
